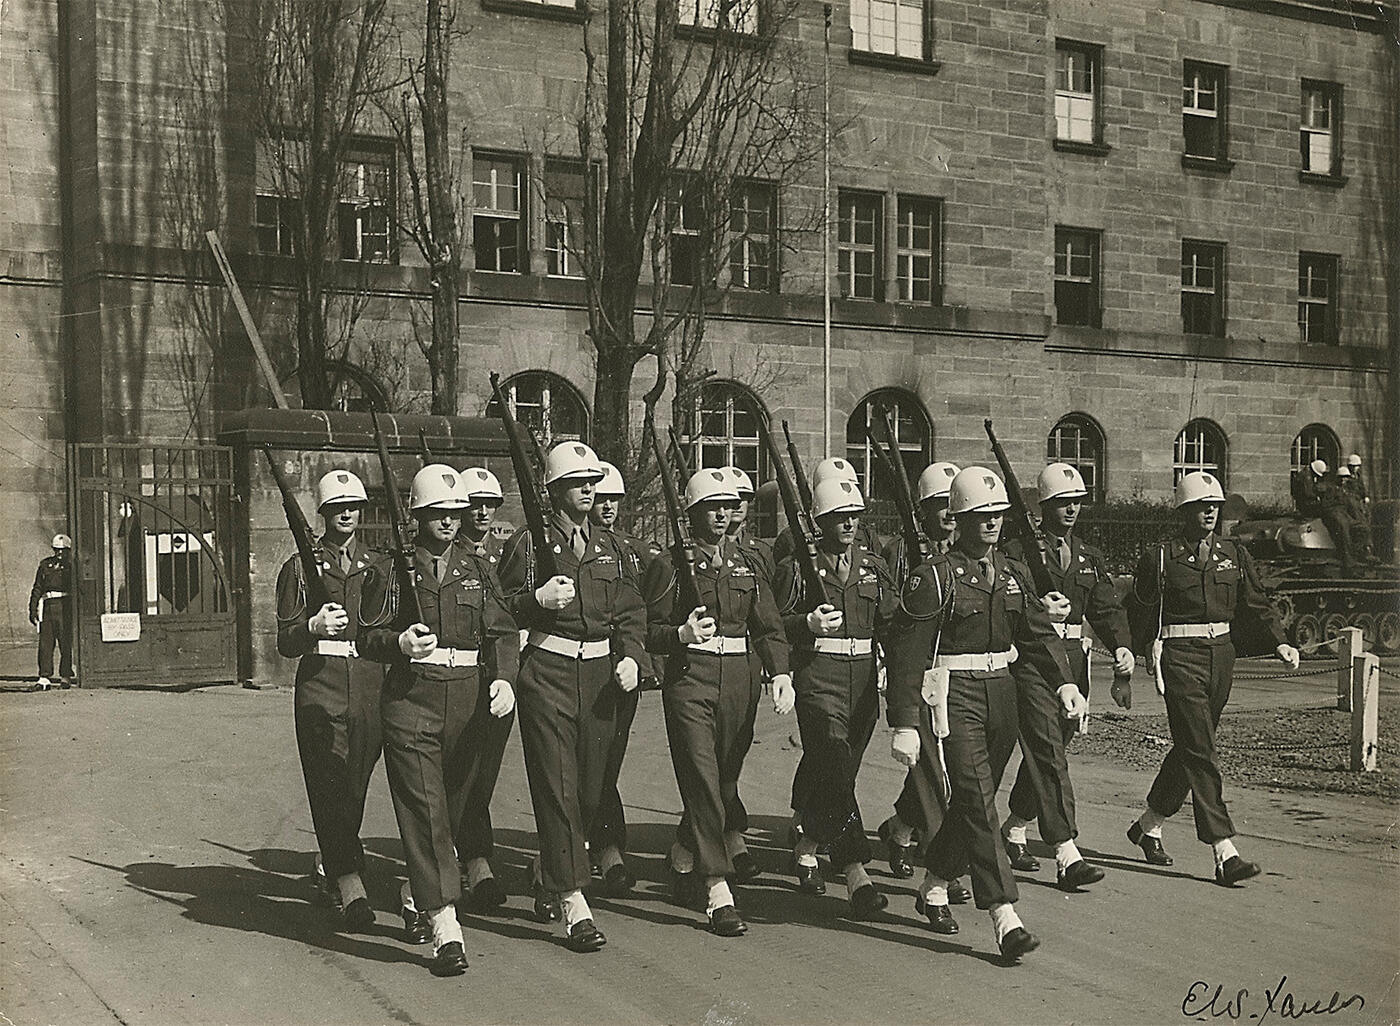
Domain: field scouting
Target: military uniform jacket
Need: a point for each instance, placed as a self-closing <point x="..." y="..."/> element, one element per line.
<point x="54" y="574"/>
<point x="489" y="547"/>
<point x="868" y="599"/>
<point x="608" y="601"/>
<point x="1088" y="585"/>
<point x="759" y="554"/>
<point x="294" y="637"/>
<point x="984" y="616"/>
<point x="640" y="552"/>
<point x="897" y="557"/>
<point x="734" y="593"/>
<point x="783" y="546"/>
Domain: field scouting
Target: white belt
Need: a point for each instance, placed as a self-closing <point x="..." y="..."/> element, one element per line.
<point x="842" y="646"/>
<point x="570" y="647"/>
<point x="1195" y="630"/>
<point x="452" y="657"/>
<point x="1069" y="631"/>
<point x="976" y="661"/>
<point x="55" y="594"/>
<point x="721" y="645"/>
<point x="343" y="649"/>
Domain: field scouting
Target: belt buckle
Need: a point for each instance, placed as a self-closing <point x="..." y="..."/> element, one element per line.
<point x="578" y="653"/>
<point x="991" y="660"/>
<point x="1210" y="631"/>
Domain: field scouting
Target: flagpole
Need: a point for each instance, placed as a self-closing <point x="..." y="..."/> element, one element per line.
<point x="826" y="232"/>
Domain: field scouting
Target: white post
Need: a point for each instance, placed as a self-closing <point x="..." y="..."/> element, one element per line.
<point x="826" y="233"/>
<point x="1349" y="648"/>
<point x="1366" y="679"/>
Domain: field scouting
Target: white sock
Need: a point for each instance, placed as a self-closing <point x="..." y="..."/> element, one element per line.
<point x="406" y="897"/>
<point x="1151" y="823"/>
<point x="477" y="871"/>
<point x="351" y="887"/>
<point x="610" y="857"/>
<point x="682" y="858"/>
<point x="1015" y="830"/>
<point x="719" y="896"/>
<point x="446" y="929"/>
<point x="734" y="843"/>
<point x="320" y="867"/>
<point x="1224" y="850"/>
<point x="1066" y="855"/>
<point x="934" y="889"/>
<point x="1004" y="919"/>
<point x="901" y="833"/>
<point x="806" y="851"/>
<point x="575" y="907"/>
<point x="856" y="877"/>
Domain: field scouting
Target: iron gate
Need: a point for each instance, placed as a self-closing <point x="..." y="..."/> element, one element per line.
<point x="152" y="530"/>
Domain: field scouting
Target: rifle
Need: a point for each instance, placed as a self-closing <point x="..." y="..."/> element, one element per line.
<point x="308" y="549"/>
<point x="804" y="531"/>
<point x="677" y="453"/>
<point x="401" y="548"/>
<point x="425" y="452"/>
<point x="1024" y="523"/>
<point x="804" y="490"/>
<point x="915" y="540"/>
<point x="680" y="531"/>
<point x="532" y="502"/>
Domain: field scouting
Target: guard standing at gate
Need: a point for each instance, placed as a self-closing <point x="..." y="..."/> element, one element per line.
<point x="443" y="672"/>
<point x="710" y="690"/>
<point x="336" y="704"/>
<point x="964" y="616"/>
<point x="584" y="648"/>
<point x="51" y="610"/>
<point x="1201" y="586"/>
<point x="1079" y="574"/>
<point x="833" y="660"/>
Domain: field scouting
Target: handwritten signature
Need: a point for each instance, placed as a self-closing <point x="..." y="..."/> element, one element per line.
<point x="1202" y="1001"/>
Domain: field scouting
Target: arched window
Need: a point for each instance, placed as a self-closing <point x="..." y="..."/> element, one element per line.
<point x="1078" y="441"/>
<point x="1200" y="446"/>
<point x="547" y="405"/>
<point x="913" y="434"/>
<point x="353" y="389"/>
<point x="1315" y="442"/>
<point x="722" y="427"/>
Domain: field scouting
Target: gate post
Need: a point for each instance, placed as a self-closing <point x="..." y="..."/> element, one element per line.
<point x="1349" y="648"/>
<point x="1366" y="677"/>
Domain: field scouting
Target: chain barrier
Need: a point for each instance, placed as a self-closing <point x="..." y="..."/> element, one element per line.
<point x="1298" y="674"/>
<point x="1115" y="722"/>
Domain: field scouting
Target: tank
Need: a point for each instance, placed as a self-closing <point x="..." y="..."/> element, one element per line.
<point x="1298" y="566"/>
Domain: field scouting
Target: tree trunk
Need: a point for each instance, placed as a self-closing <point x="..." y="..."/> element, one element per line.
<point x="442" y="212"/>
<point x="612" y="405"/>
<point x="442" y="354"/>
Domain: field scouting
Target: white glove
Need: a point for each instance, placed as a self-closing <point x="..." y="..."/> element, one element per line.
<point x="784" y="697"/>
<point x="882" y="678"/>
<point x="417" y="641"/>
<point x="825" y="620"/>
<point x="502" y="698"/>
<point x="555" y="593"/>
<point x="1056" y="606"/>
<point x="1289" y="655"/>
<point x="1074" y="704"/>
<point x="329" y="621"/>
<point x="626" y="673"/>
<point x="1154" y="667"/>
<point x="1123" y="662"/>
<point x="697" y="627"/>
<point x="1122" y="692"/>
<point x="904" y="745"/>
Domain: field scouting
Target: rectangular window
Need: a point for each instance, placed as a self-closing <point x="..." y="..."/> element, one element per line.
<point x="565" y="193"/>
<point x="275" y="222"/>
<point x="1320" y="128"/>
<point x="1203" y="110"/>
<point x="860" y="254"/>
<point x="1203" y="288"/>
<point x="1077" y="277"/>
<point x="753" y="217"/>
<point x="738" y="15"/>
<point x="1077" y="91"/>
<point x="1317" y="298"/>
<point x="366" y="207"/>
<point x="894" y="27"/>
<point x="498" y="214"/>
<point x="688" y="236"/>
<point x="918" y="250"/>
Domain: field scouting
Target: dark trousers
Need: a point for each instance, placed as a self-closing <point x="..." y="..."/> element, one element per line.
<point x="336" y="713"/>
<point x="1197" y="676"/>
<point x="610" y="822"/>
<point x="566" y="726"/>
<point x="837" y="705"/>
<point x="710" y="712"/>
<point x="427" y="756"/>
<point x="1043" y="789"/>
<point x="485" y="740"/>
<point x="982" y="733"/>
<point x="1339" y="526"/>
<point x="56" y="625"/>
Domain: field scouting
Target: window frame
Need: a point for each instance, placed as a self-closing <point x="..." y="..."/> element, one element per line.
<point x="1218" y="312"/>
<point x="1203" y="427"/>
<point x="1301" y="454"/>
<point x="738" y="239"/>
<point x="588" y="174"/>
<point x="285" y="224"/>
<point x="520" y="164"/>
<point x="908" y="408"/>
<point x="934" y="254"/>
<point x="862" y="49"/>
<point x="365" y="151"/>
<point x="1219" y="160"/>
<point x="1085" y="427"/>
<point x="1333" y="93"/>
<point x="549" y="381"/>
<point x="1331" y="326"/>
<point x="696" y="442"/>
<point x="1095" y="283"/>
<point x="876" y="248"/>
<point x="1092" y="54"/>
<point x="753" y="23"/>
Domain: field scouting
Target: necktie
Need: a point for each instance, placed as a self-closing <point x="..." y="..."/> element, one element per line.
<point x="843" y="566"/>
<point x="439" y="568"/>
<point x="344" y="562"/>
<point x="1064" y="553"/>
<point x="986" y="565"/>
<point x="579" y="545"/>
<point x="1203" y="552"/>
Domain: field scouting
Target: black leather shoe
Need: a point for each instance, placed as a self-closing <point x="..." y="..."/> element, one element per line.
<point x="809" y="879"/>
<point x="584" y="937"/>
<point x="866" y="901"/>
<point x="1021" y="860"/>
<point x="1152" y="849"/>
<point x="958" y="894"/>
<point x="358" y="916"/>
<point x="901" y="855"/>
<point x="726" y="922"/>
<point x="1076" y="875"/>
<point x="746" y="867"/>
<point x="417" y="929"/>
<point x="685" y="888"/>
<point x="618" y="881"/>
<point x="486" y="895"/>
<point x="547" y="908"/>
<point x="1018" y="942"/>
<point x="449" y="960"/>
<point x="1234" y="870"/>
<point x="940" y="917"/>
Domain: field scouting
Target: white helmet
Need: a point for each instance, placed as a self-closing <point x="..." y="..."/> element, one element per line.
<point x="836" y="497"/>
<point x="977" y="490"/>
<point x="708" y="485"/>
<point x="1354" y="460"/>
<point x="569" y="460"/>
<point x="339" y="486"/>
<point x="1198" y="486"/>
<point x="834" y="468"/>
<point x="437" y="485"/>
<point x="612" y="483"/>
<point x="1318" y="467"/>
<point x="1344" y="471"/>
<point x="1060" y="481"/>
<point x="480" y="483"/>
<point x="62" y="541"/>
<point x="743" y="484"/>
<point x="936" y="479"/>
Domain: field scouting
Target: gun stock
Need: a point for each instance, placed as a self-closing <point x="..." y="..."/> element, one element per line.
<point x="531" y="501"/>
<point x="307" y="546"/>
<point x="1021" y="518"/>
<point x="804" y="531"/>
<point x="804" y="490"/>
<point x="680" y="531"/>
<point x="401" y="549"/>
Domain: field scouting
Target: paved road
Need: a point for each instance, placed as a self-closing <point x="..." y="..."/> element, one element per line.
<point x="151" y="849"/>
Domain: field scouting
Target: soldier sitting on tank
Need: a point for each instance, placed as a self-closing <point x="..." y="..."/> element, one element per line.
<point x="1304" y="486"/>
<point x="1335" y="515"/>
<point x="1356" y="511"/>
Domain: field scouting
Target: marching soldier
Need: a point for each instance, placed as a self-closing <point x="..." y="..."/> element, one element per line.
<point x="1080" y="576"/>
<point x="336" y="707"/>
<point x="584" y="650"/>
<point x="710" y="691"/>
<point x="607" y="841"/>
<point x="1201" y="586"/>
<point x="51" y="610"/>
<point x="833" y="468"/>
<point x="961" y="614"/>
<point x="833" y="658"/>
<point x="445" y="674"/>
<point x="739" y="531"/>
